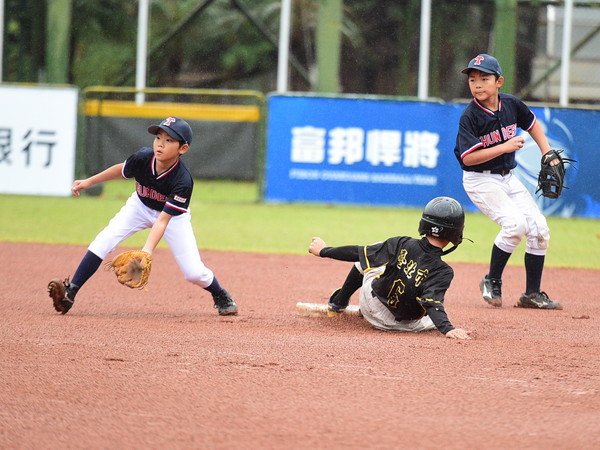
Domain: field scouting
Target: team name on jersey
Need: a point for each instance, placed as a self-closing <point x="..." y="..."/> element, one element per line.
<point x="145" y="192"/>
<point x="504" y="134"/>
<point x="410" y="267"/>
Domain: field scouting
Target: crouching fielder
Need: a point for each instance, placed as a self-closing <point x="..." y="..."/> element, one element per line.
<point x="403" y="280"/>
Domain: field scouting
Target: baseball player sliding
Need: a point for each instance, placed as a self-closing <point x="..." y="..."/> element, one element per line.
<point x="402" y="280"/>
<point x="486" y="144"/>
<point x="160" y="202"/>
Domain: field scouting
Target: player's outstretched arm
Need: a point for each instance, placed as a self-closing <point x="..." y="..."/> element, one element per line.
<point x="316" y="245"/>
<point x="458" y="333"/>
<point x="80" y="185"/>
<point x="112" y="173"/>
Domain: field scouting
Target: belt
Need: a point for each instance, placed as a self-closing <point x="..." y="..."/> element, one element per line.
<point x="495" y="172"/>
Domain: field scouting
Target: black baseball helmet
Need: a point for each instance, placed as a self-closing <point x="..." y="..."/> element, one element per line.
<point x="443" y="217"/>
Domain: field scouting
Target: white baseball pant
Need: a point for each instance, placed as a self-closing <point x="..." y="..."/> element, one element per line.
<point x="376" y="312"/>
<point x="506" y="201"/>
<point x="134" y="216"/>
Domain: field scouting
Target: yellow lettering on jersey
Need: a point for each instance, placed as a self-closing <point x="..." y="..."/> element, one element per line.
<point x="421" y="275"/>
<point x="402" y="258"/>
<point x="396" y="291"/>
<point x="410" y="268"/>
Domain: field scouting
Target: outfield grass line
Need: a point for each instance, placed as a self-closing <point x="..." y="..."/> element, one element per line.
<point x="228" y="216"/>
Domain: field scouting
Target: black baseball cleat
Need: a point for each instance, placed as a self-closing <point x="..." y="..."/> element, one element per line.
<point x="62" y="294"/>
<point x="333" y="309"/>
<point x="491" y="291"/>
<point x="225" y="304"/>
<point x="537" y="300"/>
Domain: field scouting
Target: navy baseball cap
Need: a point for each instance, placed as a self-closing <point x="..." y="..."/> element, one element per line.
<point x="484" y="63"/>
<point x="176" y="128"/>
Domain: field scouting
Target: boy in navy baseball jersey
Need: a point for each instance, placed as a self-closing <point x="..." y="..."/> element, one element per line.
<point x="487" y="140"/>
<point x="163" y="188"/>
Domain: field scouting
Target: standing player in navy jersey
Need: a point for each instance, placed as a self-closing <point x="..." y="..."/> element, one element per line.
<point x="161" y="202"/>
<point x="485" y="148"/>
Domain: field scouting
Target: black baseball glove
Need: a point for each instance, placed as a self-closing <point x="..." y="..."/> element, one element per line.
<point x="551" y="178"/>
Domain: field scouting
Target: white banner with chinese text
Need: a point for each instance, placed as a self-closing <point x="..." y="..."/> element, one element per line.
<point x="38" y="129"/>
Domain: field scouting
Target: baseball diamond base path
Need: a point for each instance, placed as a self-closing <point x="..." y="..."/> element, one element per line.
<point x="159" y="369"/>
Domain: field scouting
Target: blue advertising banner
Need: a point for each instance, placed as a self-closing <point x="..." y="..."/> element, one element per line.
<point x="577" y="132"/>
<point x="400" y="153"/>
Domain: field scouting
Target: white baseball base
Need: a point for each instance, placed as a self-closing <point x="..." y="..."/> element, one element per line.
<point x="320" y="310"/>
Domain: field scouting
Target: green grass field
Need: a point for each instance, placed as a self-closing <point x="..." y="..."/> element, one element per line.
<point x="228" y="216"/>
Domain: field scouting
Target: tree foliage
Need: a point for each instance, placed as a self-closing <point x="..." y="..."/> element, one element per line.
<point x="232" y="43"/>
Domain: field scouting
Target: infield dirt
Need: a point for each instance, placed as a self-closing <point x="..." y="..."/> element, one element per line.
<point x="158" y="368"/>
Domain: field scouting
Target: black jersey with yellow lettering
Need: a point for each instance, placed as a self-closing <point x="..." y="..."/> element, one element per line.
<point x="169" y="191"/>
<point x="480" y="128"/>
<point x="415" y="279"/>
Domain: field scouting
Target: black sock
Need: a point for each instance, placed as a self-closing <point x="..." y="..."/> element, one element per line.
<point x="87" y="267"/>
<point x="534" y="266"/>
<point x="498" y="262"/>
<point x="214" y="288"/>
<point x="353" y="282"/>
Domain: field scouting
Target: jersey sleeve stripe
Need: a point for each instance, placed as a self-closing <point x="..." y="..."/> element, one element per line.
<point x="428" y="300"/>
<point x="532" y="123"/>
<point x="366" y="258"/>
<point x="470" y="150"/>
<point x="175" y="207"/>
<point x="123" y="171"/>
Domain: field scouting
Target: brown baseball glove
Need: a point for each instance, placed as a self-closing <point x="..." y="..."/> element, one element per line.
<point x="132" y="268"/>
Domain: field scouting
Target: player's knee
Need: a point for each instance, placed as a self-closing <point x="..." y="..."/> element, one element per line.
<point x="515" y="229"/>
<point x="202" y="279"/>
<point x="542" y="234"/>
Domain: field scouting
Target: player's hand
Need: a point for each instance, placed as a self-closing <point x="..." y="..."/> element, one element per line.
<point x="79" y="185"/>
<point x="458" y="333"/>
<point x="515" y="144"/>
<point x="316" y="245"/>
<point x="555" y="161"/>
